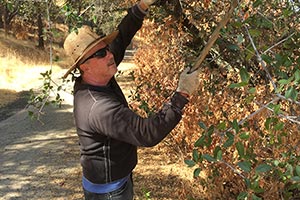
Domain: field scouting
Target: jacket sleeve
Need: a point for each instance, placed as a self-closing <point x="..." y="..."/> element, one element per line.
<point x="128" y="27"/>
<point x="118" y="122"/>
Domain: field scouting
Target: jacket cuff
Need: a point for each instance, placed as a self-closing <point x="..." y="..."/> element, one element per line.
<point x="138" y="12"/>
<point x="178" y="101"/>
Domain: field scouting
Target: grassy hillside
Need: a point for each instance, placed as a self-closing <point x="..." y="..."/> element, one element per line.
<point x="21" y="64"/>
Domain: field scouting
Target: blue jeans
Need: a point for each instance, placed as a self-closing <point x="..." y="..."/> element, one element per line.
<point x="124" y="193"/>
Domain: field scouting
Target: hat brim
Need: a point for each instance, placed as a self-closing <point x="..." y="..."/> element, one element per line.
<point x="107" y="40"/>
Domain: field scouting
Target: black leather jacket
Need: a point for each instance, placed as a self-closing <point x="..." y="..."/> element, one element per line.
<point x="109" y="132"/>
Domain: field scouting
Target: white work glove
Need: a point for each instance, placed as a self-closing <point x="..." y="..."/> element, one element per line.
<point x="148" y="2"/>
<point x="188" y="82"/>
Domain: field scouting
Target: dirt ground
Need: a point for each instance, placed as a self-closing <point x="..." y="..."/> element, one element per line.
<point x="41" y="160"/>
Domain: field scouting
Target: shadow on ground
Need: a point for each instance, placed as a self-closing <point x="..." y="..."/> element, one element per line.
<point x="40" y="160"/>
<point x="12" y="102"/>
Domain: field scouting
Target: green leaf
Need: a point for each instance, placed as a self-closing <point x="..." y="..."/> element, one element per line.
<point x="262" y="168"/>
<point x="296" y="178"/>
<point x="190" y="163"/>
<point x="268" y="123"/>
<point x="242" y="196"/>
<point x="276" y="109"/>
<point x="195" y="155"/>
<point x="245" y="166"/>
<point x="247" y="182"/>
<point x="228" y="142"/>
<point x="229" y="135"/>
<point x="254" y="197"/>
<point x="210" y="130"/>
<point x="218" y="153"/>
<point x="202" y="125"/>
<point x="267" y="58"/>
<point x="233" y="47"/>
<point x="208" y="157"/>
<point x="252" y="90"/>
<point x="244" y="136"/>
<point x="235" y="125"/>
<point x="291" y="93"/>
<point x="254" y="32"/>
<point x="238" y="85"/>
<point x="200" y="141"/>
<point x="222" y="126"/>
<point x="285" y="81"/>
<point x="240" y="148"/>
<point x="297" y="76"/>
<point x="197" y="172"/>
<point x="240" y="39"/>
<point x="257" y="3"/>
<point x="279" y="126"/>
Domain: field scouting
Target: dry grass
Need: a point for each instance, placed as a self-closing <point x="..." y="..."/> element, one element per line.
<point x="21" y="63"/>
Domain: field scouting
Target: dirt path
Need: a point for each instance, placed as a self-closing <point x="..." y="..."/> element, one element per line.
<point x="41" y="161"/>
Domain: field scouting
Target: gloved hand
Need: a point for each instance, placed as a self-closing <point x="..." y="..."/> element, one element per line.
<point x="148" y="2"/>
<point x="188" y="82"/>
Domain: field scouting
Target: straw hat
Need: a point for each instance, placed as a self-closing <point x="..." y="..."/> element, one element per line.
<point x="77" y="45"/>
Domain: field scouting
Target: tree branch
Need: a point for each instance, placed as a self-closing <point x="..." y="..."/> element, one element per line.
<point x="214" y="35"/>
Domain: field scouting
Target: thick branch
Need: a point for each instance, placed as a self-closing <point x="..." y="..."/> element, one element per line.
<point x="215" y="35"/>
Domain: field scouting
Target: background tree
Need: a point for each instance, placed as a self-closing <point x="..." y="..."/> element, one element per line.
<point x="9" y="9"/>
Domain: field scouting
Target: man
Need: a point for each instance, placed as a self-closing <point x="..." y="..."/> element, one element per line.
<point x="109" y="132"/>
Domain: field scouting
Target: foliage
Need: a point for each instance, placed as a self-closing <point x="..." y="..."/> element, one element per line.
<point x="242" y="125"/>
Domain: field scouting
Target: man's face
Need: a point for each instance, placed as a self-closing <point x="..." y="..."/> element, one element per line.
<point x="101" y="67"/>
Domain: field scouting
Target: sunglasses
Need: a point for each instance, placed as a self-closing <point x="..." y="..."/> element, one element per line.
<point x="101" y="53"/>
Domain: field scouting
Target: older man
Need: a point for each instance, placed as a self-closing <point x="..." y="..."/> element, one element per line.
<point x="109" y="132"/>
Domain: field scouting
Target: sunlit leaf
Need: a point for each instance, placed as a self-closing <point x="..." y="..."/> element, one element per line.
<point x="244" y="136"/>
<point x="222" y="126"/>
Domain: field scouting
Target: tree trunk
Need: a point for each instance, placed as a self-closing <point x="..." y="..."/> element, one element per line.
<point x="8" y="16"/>
<point x="40" y="32"/>
<point x="1" y="16"/>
